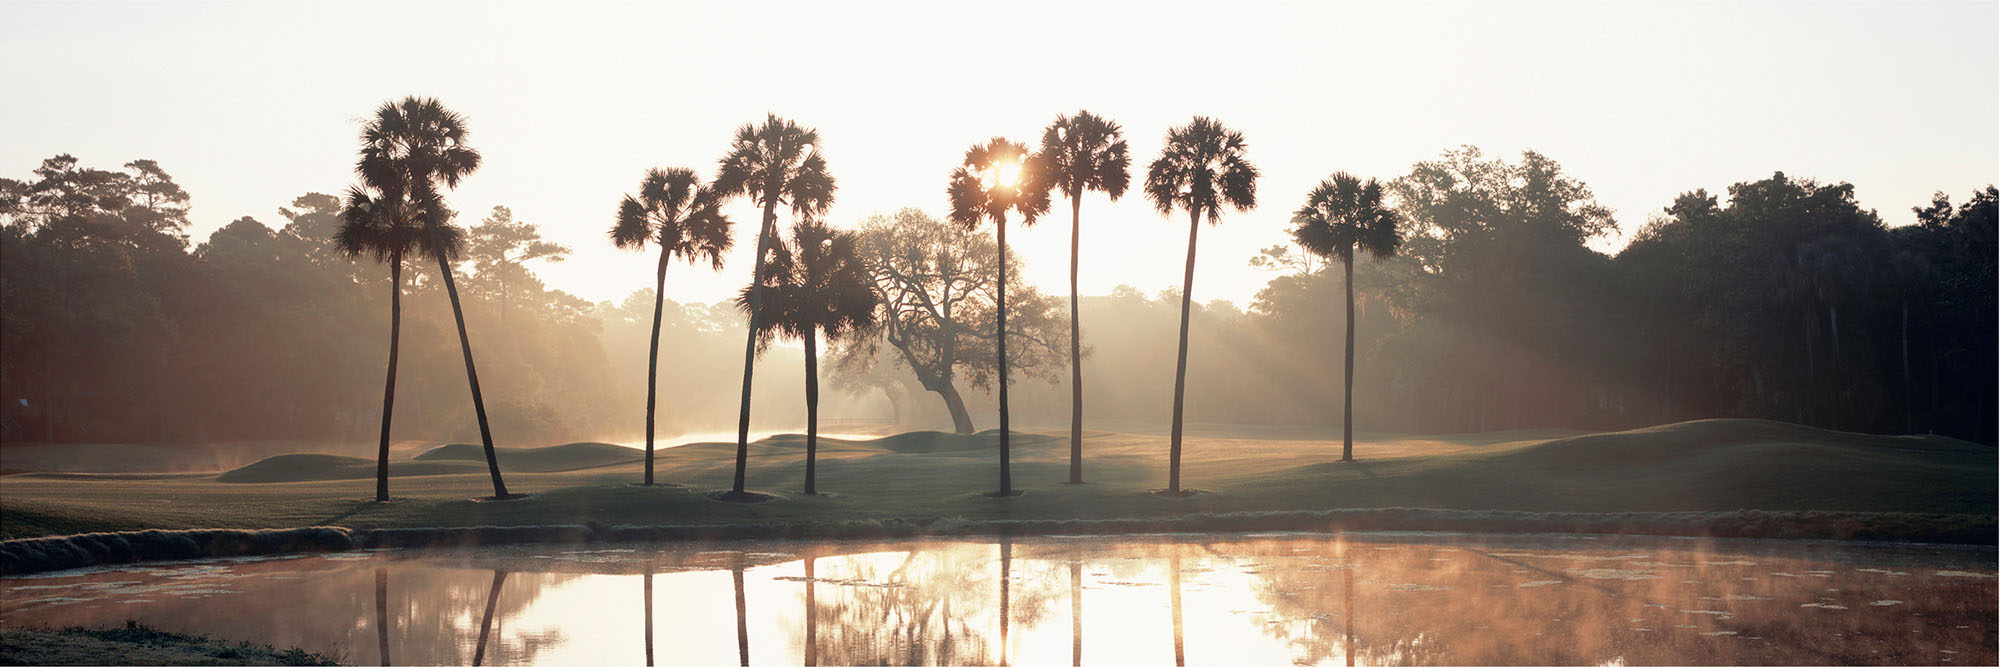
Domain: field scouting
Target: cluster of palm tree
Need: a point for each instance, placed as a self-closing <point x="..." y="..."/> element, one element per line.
<point x="1202" y="169"/>
<point x="815" y="284"/>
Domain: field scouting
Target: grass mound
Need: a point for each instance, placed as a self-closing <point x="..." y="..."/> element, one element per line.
<point x="316" y="467"/>
<point x="558" y="458"/>
<point x="931" y="442"/>
<point x="1754" y="463"/>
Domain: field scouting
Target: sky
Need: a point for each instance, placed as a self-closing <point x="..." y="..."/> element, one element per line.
<point x="250" y="104"/>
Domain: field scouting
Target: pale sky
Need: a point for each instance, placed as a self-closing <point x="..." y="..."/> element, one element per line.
<point x="250" y="104"/>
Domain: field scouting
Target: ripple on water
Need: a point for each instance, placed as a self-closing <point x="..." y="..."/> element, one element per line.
<point x="1613" y="573"/>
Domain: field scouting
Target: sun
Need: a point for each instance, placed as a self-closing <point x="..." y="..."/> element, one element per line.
<point x="1003" y="174"/>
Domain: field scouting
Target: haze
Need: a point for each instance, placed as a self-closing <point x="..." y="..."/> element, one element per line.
<point x="250" y="104"/>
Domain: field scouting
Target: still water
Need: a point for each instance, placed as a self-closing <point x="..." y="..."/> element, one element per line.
<point x="1270" y="599"/>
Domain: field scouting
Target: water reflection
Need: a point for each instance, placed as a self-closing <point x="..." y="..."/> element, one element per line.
<point x="648" y="582"/>
<point x="1366" y="599"/>
<point x="486" y="622"/>
<point x="382" y="614"/>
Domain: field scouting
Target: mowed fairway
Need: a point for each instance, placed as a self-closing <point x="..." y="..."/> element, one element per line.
<point x="1710" y="465"/>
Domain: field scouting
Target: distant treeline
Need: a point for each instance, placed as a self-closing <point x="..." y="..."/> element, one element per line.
<point x="1782" y="299"/>
<point x="117" y="329"/>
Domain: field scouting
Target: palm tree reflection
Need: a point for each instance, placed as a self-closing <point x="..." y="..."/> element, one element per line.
<point x="649" y="618"/>
<point x="1076" y="613"/>
<point x="742" y="626"/>
<point x="486" y="623"/>
<point x="382" y="613"/>
<point x="1174" y="593"/>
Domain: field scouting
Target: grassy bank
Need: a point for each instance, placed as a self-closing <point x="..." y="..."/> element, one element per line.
<point x="137" y="645"/>
<point x="924" y="478"/>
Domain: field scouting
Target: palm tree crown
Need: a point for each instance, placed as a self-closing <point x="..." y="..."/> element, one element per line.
<point x="1085" y="152"/>
<point x="385" y="229"/>
<point x="677" y="212"/>
<point x="408" y="149"/>
<point x="777" y="162"/>
<point x="1343" y="214"/>
<point x="1202" y="168"/>
<point x="815" y="283"/>
<point x="996" y="177"/>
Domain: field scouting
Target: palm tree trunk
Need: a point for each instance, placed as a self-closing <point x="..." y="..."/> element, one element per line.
<point x="750" y="337"/>
<point x="1909" y="394"/>
<point x="812" y="408"/>
<point x="389" y="387"/>
<point x="1075" y="349"/>
<point x="653" y="359"/>
<point x="471" y="372"/>
<point x="1006" y="477"/>
<point x="1180" y="366"/>
<point x="1347" y="395"/>
<point x="486" y="624"/>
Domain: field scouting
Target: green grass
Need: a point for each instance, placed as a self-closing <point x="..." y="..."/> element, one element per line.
<point x="922" y="477"/>
<point x="136" y="644"/>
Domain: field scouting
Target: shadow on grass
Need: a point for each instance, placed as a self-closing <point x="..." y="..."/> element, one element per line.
<point x="742" y="497"/>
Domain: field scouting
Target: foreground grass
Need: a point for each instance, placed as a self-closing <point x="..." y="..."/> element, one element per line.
<point x="136" y="644"/>
<point x="1704" y="466"/>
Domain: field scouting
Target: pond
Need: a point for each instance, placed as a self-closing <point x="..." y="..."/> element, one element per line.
<point x="1272" y="598"/>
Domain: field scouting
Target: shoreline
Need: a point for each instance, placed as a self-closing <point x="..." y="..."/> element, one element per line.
<point x="40" y="555"/>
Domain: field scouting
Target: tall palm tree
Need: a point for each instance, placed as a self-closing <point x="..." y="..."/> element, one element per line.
<point x="777" y="162"/>
<point x="682" y="216"/>
<point x="817" y="283"/>
<point x="408" y="150"/>
<point x="1081" y="153"/>
<point x="995" y="178"/>
<point x="1201" y="169"/>
<point x="379" y="227"/>
<point x="1340" y="215"/>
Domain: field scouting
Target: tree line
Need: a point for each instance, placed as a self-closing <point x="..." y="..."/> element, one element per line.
<point x="1475" y="304"/>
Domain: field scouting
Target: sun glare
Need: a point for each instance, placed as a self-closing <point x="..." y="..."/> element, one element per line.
<point x="1002" y="175"/>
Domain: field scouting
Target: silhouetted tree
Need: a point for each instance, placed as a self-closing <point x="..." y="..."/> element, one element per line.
<point x="775" y="163"/>
<point x="408" y="150"/>
<point x="817" y="283"/>
<point x="995" y="178"/>
<point x="935" y="282"/>
<point x="1340" y="215"/>
<point x="1202" y="168"/>
<point x="1080" y="153"/>
<point x="675" y="211"/>
<point x="381" y="226"/>
<point x="500" y="248"/>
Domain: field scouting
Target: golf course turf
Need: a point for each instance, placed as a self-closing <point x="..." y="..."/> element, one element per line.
<point x="1724" y="477"/>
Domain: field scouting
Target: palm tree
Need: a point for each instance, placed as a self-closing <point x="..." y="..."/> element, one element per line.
<point x="816" y="283"/>
<point x="379" y="227"/>
<point x="1201" y="169"/>
<point x="775" y="163"/>
<point x="675" y="211"/>
<point x="407" y="150"/>
<point x="1081" y="153"/>
<point x="994" y="178"/>
<point x="1340" y="215"/>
